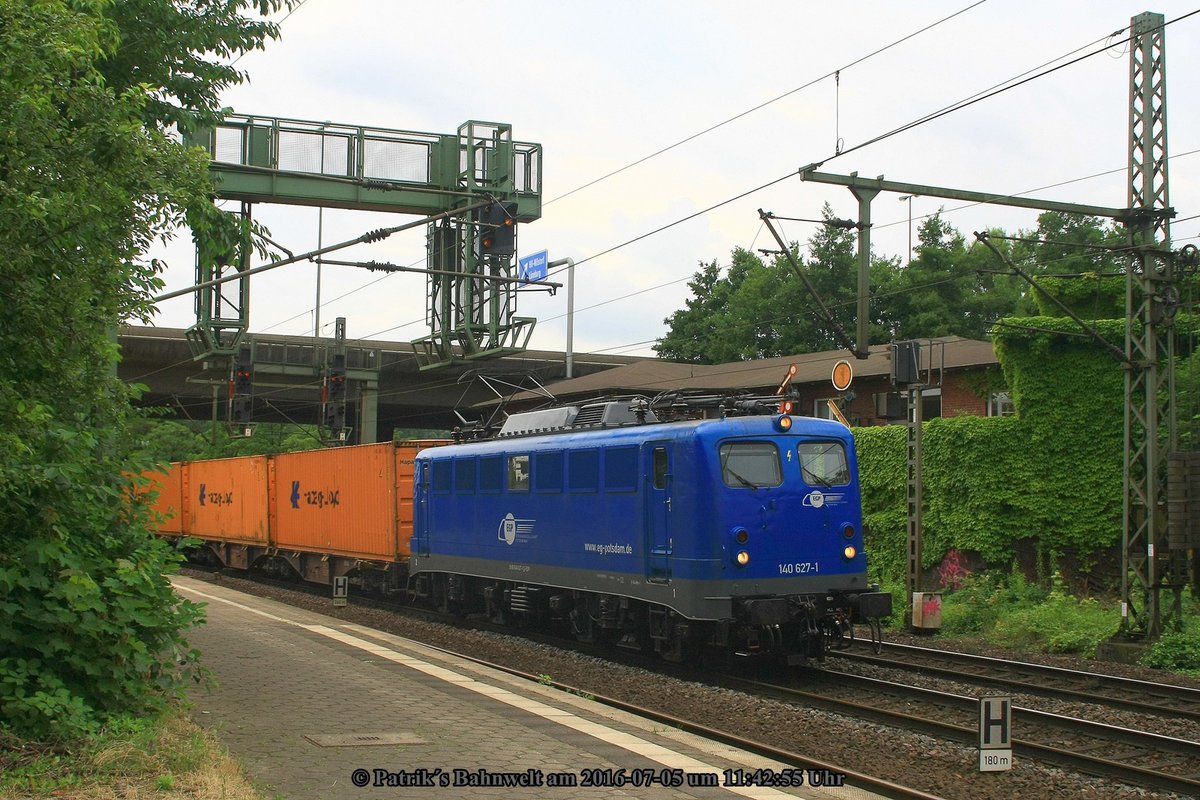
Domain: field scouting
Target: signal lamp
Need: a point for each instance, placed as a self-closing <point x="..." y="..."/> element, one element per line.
<point x="498" y="229"/>
<point x="743" y="558"/>
<point x="849" y="552"/>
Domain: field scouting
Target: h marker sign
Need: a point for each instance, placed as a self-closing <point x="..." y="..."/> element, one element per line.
<point x="995" y="734"/>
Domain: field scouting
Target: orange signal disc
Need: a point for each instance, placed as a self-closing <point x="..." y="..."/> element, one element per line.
<point x="843" y="374"/>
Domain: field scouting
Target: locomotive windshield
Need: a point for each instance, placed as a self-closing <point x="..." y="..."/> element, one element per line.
<point x="750" y="464"/>
<point x="823" y="463"/>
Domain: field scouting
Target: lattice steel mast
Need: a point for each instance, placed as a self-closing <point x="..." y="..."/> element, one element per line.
<point x="1152" y="297"/>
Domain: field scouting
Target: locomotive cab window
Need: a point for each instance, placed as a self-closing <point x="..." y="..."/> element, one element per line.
<point x="750" y="465"/>
<point x="518" y="473"/>
<point x="823" y="463"/>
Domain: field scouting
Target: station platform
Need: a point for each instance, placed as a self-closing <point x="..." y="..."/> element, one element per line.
<point x="317" y="708"/>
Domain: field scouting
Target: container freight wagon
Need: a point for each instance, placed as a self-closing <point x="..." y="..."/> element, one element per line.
<point x="225" y="503"/>
<point x="318" y="514"/>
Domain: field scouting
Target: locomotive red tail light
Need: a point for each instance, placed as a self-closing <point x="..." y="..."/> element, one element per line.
<point x="742" y="536"/>
<point x="848" y="531"/>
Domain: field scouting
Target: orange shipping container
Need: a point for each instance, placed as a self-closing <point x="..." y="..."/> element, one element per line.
<point x="226" y="499"/>
<point x="168" y="505"/>
<point x="340" y="501"/>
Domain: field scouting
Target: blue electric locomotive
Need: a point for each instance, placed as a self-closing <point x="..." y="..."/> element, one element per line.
<point x="740" y="533"/>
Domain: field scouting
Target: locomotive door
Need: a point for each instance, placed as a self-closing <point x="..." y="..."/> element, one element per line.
<point x="421" y="509"/>
<point x="656" y="461"/>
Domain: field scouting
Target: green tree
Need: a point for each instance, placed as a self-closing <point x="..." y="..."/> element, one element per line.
<point x="89" y="178"/>
<point x="761" y="310"/>
<point x="1082" y="250"/>
<point x="948" y="289"/>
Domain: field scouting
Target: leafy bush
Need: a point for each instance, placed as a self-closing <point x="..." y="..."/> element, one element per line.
<point x="985" y="598"/>
<point x="1178" y="651"/>
<point x="1062" y="624"/>
<point x="1008" y="610"/>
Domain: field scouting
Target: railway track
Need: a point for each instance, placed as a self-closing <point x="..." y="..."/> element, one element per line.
<point x="1161" y="700"/>
<point x="1136" y="757"/>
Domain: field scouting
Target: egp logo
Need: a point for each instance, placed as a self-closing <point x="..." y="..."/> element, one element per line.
<point x="816" y="498"/>
<point x="512" y="529"/>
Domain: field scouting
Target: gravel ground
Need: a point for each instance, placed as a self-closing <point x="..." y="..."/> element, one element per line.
<point x="939" y="767"/>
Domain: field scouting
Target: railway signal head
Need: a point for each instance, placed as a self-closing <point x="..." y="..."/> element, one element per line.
<point x="498" y="229"/>
<point x="243" y="377"/>
<point x="335" y="379"/>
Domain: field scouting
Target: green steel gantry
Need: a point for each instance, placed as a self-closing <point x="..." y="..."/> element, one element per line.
<point x="471" y="309"/>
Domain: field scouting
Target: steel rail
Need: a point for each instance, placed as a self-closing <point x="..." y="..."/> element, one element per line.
<point x="1079" y="760"/>
<point x="1163" y="699"/>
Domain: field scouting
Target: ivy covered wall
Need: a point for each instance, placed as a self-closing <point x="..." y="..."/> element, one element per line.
<point x="1050" y="475"/>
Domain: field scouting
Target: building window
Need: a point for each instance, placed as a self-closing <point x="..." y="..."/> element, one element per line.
<point x="1000" y="404"/>
<point x="821" y="408"/>
<point x="931" y="404"/>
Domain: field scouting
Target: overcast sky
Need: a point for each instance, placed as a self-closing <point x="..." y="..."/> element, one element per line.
<point x="603" y="85"/>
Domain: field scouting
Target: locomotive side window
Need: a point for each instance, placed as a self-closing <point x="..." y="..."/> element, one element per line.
<point x="660" y="468"/>
<point x="441" y="476"/>
<point x="823" y="463"/>
<point x="750" y="464"/>
<point x="549" y="472"/>
<point x="583" y="470"/>
<point x="464" y="475"/>
<point x="620" y="469"/>
<point x="518" y="473"/>
<point x="491" y="474"/>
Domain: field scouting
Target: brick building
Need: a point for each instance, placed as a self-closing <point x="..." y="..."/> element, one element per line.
<point x="962" y="376"/>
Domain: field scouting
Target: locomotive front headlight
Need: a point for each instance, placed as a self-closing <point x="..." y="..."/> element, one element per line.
<point x="849" y="552"/>
<point x="783" y="423"/>
<point x="743" y="558"/>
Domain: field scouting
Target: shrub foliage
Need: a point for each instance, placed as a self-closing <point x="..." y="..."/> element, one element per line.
<point x="89" y="178"/>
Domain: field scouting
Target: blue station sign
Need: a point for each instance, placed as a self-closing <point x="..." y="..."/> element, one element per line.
<point x="532" y="268"/>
